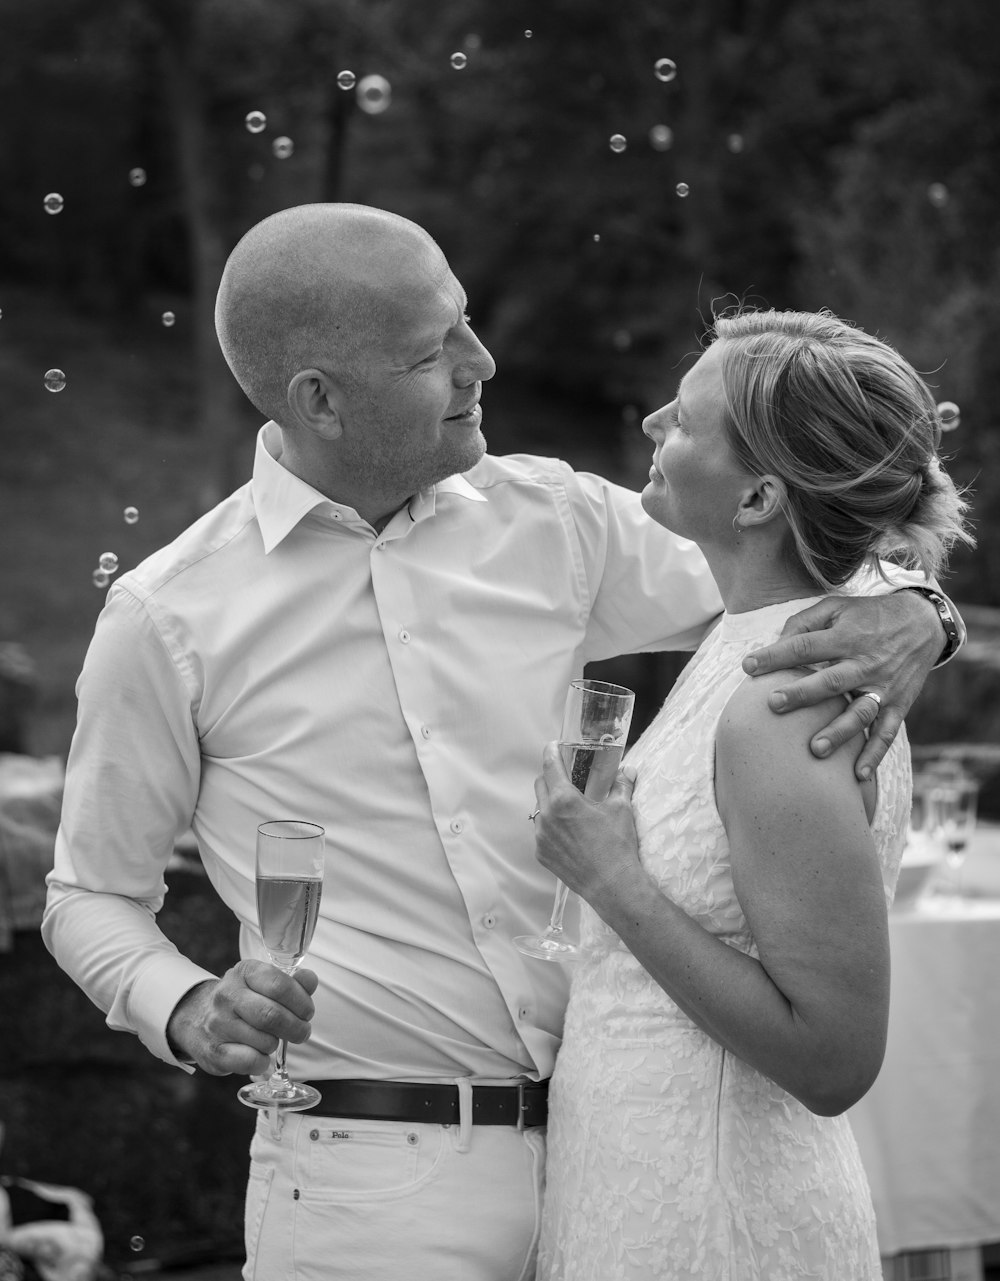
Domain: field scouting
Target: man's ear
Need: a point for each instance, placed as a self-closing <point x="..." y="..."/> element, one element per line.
<point x="314" y="403"/>
<point x="762" y="502"/>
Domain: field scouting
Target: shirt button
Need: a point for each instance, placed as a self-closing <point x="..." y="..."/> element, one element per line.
<point x="456" y="825"/>
<point x="489" y="920"/>
<point x="425" y="731"/>
<point x="404" y="636"/>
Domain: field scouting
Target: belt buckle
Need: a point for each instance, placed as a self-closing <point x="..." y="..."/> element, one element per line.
<point x="520" y="1106"/>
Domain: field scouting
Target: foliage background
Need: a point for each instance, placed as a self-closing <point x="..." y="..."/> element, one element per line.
<point x="839" y="153"/>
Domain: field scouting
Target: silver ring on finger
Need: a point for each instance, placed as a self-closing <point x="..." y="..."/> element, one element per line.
<point x="870" y="693"/>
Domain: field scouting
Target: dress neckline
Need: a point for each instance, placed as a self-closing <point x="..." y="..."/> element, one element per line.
<point x="752" y="622"/>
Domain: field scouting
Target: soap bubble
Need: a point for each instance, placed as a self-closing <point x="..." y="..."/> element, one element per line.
<point x="458" y="61"/>
<point x="100" y="578"/>
<point x="256" y="121"/>
<point x="137" y="177"/>
<point x="665" y="69"/>
<point x="282" y="147"/>
<point x="374" y="94"/>
<point x="682" y="189"/>
<point x="938" y="195"/>
<point x="108" y="561"/>
<point x="617" y="143"/>
<point x="346" y="79"/>
<point x="131" y="515"/>
<point x="137" y="1244"/>
<point x="53" y="203"/>
<point x="528" y="35"/>
<point x="735" y="143"/>
<point x="597" y="237"/>
<point x="168" y="319"/>
<point x="661" y="137"/>
<point x="950" y="415"/>
<point x="55" y="380"/>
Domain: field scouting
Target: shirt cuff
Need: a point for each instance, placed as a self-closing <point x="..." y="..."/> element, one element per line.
<point x="154" y="998"/>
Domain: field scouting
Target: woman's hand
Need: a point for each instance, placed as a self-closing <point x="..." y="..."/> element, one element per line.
<point x="591" y="847"/>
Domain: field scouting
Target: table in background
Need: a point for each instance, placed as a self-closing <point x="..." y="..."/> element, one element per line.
<point x="929" y="1129"/>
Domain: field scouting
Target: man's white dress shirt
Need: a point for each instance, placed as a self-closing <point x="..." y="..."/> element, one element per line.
<point x="281" y="659"/>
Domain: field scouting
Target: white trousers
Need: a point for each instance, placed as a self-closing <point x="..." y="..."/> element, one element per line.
<point x="343" y="1200"/>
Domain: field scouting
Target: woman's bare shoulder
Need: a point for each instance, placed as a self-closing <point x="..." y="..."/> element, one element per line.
<point x="748" y="710"/>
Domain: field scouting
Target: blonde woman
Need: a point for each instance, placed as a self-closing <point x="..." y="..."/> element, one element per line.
<point x="733" y="996"/>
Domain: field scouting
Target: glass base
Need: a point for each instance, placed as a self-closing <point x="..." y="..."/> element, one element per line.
<point x="285" y="1096"/>
<point x="546" y="948"/>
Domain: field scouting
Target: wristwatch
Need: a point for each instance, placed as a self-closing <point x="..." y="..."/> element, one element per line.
<point x="953" y="636"/>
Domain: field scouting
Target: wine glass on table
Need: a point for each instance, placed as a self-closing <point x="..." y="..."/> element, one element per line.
<point x="289" y="876"/>
<point x="953" y="820"/>
<point x="594" y="733"/>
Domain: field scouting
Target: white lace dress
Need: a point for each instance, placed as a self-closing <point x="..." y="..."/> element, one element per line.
<point x="668" y="1156"/>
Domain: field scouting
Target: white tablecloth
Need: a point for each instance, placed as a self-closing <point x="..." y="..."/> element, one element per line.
<point x="929" y="1129"/>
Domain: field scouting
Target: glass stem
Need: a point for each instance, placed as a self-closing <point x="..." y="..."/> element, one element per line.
<point x="558" y="908"/>
<point x="279" y="1055"/>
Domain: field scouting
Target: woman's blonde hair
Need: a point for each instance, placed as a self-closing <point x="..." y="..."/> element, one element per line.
<point x="851" y="429"/>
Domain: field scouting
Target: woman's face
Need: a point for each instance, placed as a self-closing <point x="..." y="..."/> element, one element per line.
<point x="696" y="482"/>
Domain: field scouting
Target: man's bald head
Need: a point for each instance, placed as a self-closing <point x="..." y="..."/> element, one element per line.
<point x="314" y="287"/>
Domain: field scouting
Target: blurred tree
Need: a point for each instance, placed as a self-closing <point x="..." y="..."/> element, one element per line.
<point x="905" y="241"/>
<point x="810" y="136"/>
<point x="218" y="62"/>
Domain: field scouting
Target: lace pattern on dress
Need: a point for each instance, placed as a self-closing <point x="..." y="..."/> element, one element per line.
<point x="668" y="1156"/>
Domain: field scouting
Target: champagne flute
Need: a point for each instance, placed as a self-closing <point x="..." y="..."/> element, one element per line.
<point x="289" y="884"/>
<point x="592" y="743"/>
<point x="953" y="820"/>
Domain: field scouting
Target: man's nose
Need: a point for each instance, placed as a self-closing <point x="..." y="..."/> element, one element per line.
<point x="477" y="366"/>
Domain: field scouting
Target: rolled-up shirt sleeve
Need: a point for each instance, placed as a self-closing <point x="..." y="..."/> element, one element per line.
<point x="131" y="785"/>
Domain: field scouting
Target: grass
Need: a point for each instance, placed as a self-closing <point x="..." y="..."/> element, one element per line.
<point x="72" y="461"/>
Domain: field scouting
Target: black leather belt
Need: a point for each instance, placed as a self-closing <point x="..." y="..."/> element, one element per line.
<point x="524" y="1105"/>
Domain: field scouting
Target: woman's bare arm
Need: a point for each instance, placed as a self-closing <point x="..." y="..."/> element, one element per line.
<point x="811" y="1013"/>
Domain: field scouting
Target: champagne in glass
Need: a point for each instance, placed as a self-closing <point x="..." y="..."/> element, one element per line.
<point x="289" y="885"/>
<point x="592" y="767"/>
<point x="592" y="743"/>
<point x="287" y="907"/>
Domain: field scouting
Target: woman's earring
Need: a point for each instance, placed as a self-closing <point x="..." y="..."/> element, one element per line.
<point x="737" y="528"/>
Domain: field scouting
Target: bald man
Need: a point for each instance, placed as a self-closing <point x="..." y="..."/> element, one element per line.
<point x="375" y="634"/>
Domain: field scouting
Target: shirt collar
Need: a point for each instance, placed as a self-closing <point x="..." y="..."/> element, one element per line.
<point x="281" y="499"/>
<point x="423" y="504"/>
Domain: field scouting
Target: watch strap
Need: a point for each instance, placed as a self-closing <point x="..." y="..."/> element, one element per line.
<point x="953" y="637"/>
